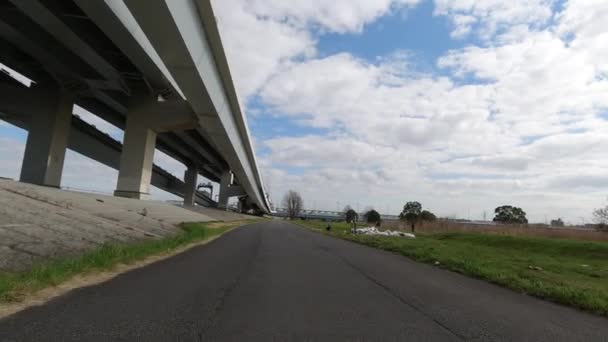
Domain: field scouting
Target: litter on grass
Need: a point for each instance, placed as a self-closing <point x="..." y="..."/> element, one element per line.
<point x="375" y="231"/>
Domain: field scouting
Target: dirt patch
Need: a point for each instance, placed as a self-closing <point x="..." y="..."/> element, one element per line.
<point x="220" y="224"/>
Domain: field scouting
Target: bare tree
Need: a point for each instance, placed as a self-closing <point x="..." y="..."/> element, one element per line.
<point x="601" y="215"/>
<point x="293" y="203"/>
<point x="601" y="218"/>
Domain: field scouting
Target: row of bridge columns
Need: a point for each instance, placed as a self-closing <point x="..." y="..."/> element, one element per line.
<point x="48" y="139"/>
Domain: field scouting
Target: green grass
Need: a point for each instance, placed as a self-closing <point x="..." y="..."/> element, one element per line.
<point x="571" y="272"/>
<point x="14" y="286"/>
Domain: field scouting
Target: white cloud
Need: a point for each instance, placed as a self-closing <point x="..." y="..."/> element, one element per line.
<point x="11" y="155"/>
<point x="462" y="25"/>
<point x="489" y="17"/>
<point x="540" y="84"/>
<point x="339" y="16"/>
<point x="338" y="151"/>
<point x="515" y="121"/>
<point x="261" y="38"/>
<point x="504" y="163"/>
<point x="257" y="47"/>
<point x="583" y="22"/>
<point x="420" y="110"/>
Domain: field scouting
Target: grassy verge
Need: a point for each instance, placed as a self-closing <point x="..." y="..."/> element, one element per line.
<point x="569" y="272"/>
<point x="14" y="286"/>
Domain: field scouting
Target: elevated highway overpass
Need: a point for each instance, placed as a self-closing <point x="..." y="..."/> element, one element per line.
<point x="154" y="68"/>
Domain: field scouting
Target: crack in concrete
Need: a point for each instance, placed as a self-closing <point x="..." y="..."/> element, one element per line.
<point x="227" y="292"/>
<point x="32" y="197"/>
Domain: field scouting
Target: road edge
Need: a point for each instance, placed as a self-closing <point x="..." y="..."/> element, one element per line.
<point x="47" y="294"/>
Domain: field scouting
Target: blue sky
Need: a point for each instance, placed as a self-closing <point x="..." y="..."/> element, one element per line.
<point x="415" y="30"/>
<point x="463" y="105"/>
<point x="13" y="132"/>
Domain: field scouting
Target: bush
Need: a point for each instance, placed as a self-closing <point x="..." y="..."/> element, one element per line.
<point x="351" y="215"/>
<point x="510" y="215"/>
<point x="427" y="216"/>
<point x="372" y="216"/>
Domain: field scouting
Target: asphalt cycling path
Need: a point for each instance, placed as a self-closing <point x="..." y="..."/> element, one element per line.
<point x="274" y="281"/>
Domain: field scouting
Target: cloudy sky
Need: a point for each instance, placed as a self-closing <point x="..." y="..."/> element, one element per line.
<point x="463" y="105"/>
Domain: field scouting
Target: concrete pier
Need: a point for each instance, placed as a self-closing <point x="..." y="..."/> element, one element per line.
<point x="47" y="142"/>
<point x="225" y="182"/>
<point x="190" y="182"/>
<point x="136" y="160"/>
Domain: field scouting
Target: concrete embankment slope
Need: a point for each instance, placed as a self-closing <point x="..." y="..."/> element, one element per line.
<point x="38" y="223"/>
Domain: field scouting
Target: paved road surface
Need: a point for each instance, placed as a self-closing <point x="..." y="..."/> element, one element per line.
<point x="274" y="282"/>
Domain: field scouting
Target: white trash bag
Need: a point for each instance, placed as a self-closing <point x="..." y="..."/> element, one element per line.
<point x="375" y="231"/>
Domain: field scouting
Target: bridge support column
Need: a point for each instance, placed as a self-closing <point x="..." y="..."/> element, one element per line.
<point x="225" y="182"/>
<point x="190" y="178"/>
<point x="136" y="159"/>
<point x="46" y="144"/>
<point x="228" y="189"/>
<point x="147" y="117"/>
